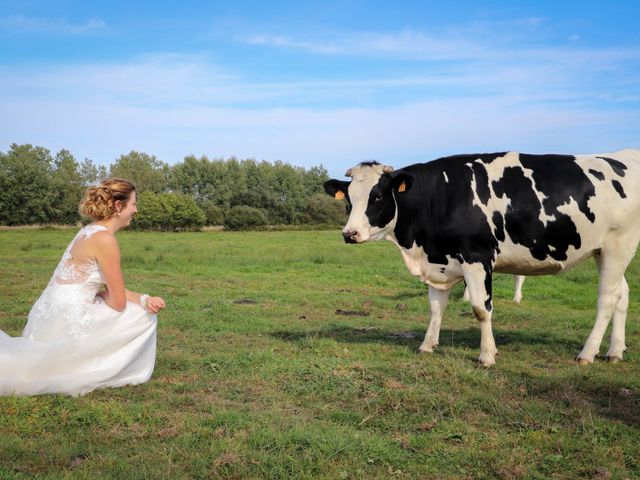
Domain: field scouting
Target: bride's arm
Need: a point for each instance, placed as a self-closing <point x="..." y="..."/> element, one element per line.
<point x="107" y="254"/>
<point x="151" y="304"/>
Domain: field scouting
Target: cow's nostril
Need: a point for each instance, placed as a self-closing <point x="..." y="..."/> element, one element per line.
<point x="350" y="236"/>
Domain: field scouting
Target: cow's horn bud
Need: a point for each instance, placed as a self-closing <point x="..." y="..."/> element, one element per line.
<point x="387" y="169"/>
<point x="348" y="174"/>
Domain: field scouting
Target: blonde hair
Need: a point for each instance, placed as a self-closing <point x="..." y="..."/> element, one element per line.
<point x="99" y="202"/>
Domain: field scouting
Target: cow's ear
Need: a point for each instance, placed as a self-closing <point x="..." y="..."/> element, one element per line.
<point x="401" y="182"/>
<point x="336" y="188"/>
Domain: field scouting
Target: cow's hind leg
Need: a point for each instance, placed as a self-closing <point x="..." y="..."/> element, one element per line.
<point x="478" y="280"/>
<point x="465" y="294"/>
<point x="617" y="344"/>
<point x="613" y="300"/>
<point x="438" y="300"/>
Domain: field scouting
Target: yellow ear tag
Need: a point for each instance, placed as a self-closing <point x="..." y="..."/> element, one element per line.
<point x="339" y="195"/>
<point x="402" y="187"/>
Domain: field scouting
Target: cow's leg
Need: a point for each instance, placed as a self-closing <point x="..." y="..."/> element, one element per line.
<point x="438" y="300"/>
<point x="617" y="344"/>
<point x="517" y="295"/>
<point x="465" y="295"/>
<point x="479" y="284"/>
<point x="612" y="262"/>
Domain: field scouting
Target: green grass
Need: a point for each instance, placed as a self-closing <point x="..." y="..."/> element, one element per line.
<point x="257" y="376"/>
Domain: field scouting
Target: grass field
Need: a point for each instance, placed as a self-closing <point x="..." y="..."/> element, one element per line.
<point x="259" y="376"/>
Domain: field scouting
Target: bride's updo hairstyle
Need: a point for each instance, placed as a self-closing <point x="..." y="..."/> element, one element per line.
<point x="99" y="202"/>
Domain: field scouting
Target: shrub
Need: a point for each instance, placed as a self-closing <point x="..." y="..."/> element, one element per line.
<point x="213" y="212"/>
<point x="168" y="212"/>
<point x="242" y="217"/>
<point x="322" y="209"/>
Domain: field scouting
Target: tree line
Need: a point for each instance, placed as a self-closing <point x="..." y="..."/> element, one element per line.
<point x="37" y="187"/>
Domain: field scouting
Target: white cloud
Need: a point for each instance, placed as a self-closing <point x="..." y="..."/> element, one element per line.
<point x="22" y="23"/>
<point x="407" y="44"/>
<point x="496" y="42"/>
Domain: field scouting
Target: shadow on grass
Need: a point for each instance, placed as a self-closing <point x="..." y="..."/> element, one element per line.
<point x="608" y="397"/>
<point x="469" y="337"/>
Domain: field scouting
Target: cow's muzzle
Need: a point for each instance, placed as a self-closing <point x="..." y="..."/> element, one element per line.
<point x="350" y="236"/>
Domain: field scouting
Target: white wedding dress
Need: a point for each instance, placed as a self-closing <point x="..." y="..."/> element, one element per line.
<point x="74" y="342"/>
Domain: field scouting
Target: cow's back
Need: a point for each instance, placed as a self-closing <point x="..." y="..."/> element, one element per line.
<point x="541" y="213"/>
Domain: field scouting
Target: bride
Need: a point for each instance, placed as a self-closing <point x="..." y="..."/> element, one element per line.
<point x="80" y="336"/>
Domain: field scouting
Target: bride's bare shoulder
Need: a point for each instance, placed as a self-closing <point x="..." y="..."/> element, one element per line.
<point x="103" y="241"/>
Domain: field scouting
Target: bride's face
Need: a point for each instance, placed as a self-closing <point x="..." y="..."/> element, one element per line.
<point x="129" y="210"/>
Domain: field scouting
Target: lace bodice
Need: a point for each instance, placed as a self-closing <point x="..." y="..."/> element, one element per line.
<point x="71" y="272"/>
<point x="69" y="295"/>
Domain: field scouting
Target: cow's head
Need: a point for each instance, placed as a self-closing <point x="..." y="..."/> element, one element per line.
<point x="371" y="199"/>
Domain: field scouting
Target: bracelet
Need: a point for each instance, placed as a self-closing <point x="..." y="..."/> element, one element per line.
<point x="143" y="300"/>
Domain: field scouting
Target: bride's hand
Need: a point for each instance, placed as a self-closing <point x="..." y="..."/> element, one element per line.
<point x="155" y="304"/>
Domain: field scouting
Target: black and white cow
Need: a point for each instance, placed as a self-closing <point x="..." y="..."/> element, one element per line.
<point x="467" y="216"/>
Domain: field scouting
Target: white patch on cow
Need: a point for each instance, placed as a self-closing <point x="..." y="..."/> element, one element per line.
<point x="543" y="216"/>
<point x="446" y="179"/>
<point x="476" y="201"/>
<point x="516" y="259"/>
<point x="442" y="277"/>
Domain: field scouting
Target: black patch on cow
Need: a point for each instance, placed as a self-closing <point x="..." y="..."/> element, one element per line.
<point x="482" y="182"/>
<point x="619" y="189"/>
<point x="368" y="164"/>
<point x="333" y="186"/>
<point x="381" y="207"/>
<point x="483" y="157"/>
<point x="522" y="218"/>
<point x="560" y="178"/>
<point x="488" y="278"/>
<point x="618" y="167"/>
<point x="498" y="221"/>
<point x="597" y="174"/>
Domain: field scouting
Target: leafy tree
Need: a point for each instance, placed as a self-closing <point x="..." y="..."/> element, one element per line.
<point x="26" y="190"/>
<point x="35" y="188"/>
<point x="313" y="180"/>
<point x="145" y="171"/>
<point x="91" y="173"/>
<point x="68" y="188"/>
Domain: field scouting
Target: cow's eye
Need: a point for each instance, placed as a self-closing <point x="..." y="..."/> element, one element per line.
<point x="378" y="198"/>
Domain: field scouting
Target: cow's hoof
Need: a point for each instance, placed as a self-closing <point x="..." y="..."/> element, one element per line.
<point x="427" y="347"/>
<point x="583" y="361"/>
<point x="485" y="363"/>
<point x="614" y="359"/>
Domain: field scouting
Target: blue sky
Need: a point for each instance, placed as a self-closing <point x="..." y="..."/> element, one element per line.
<point x="310" y="83"/>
